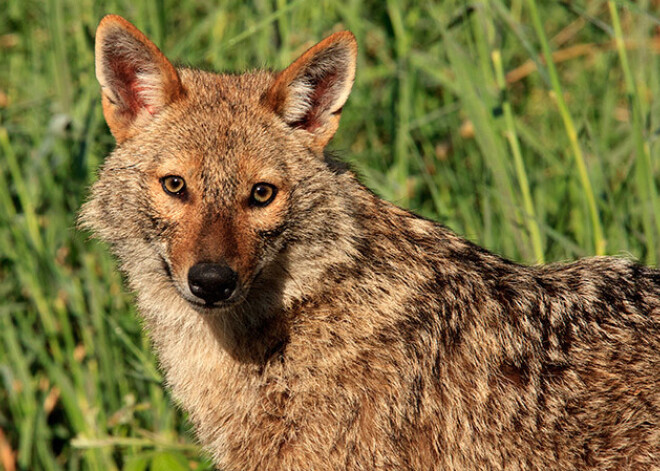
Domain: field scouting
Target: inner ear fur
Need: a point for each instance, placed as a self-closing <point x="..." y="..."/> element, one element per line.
<point x="310" y="93"/>
<point x="137" y="81"/>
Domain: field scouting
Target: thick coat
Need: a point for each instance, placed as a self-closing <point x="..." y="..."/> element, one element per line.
<point x="357" y="336"/>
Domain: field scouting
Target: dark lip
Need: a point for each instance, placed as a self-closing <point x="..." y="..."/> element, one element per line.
<point x="207" y="307"/>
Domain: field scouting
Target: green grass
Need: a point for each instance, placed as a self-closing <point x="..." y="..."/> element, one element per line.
<point x="529" y="127"/>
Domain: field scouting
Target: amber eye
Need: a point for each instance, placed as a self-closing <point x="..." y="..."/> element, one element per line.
<point x="173" y="185"/>
<point x="262" y="194"/>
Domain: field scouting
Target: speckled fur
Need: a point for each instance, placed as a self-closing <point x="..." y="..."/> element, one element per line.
<point x="366" y="337"/>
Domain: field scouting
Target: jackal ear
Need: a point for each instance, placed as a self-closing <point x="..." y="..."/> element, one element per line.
<point x="137" y="81"/>
<point x="311" y="92"/>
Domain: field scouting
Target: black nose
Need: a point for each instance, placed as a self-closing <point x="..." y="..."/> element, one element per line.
<point x="212" y="281"/>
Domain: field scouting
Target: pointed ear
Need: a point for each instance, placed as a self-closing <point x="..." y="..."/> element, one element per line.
<point x="311" y="92"/>
<point x="137" y="81"/>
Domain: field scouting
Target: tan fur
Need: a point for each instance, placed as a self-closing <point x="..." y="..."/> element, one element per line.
<point x="156" y="80"/>
<point x="292" y="94"/>
<point x="362" y="337"/>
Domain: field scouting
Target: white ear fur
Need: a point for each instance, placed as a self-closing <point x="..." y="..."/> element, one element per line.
<point x="311" y="92"/>
<point x="137" y="81"/>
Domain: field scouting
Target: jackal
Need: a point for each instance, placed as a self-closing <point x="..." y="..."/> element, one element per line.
<point x="306" y="324"/>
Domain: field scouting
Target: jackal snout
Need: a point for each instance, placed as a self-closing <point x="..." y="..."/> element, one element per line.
<point x="212" y="282"/>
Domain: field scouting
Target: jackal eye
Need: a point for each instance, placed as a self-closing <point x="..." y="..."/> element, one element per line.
<point x="173" y="185"/>
<point x="262" y="194"/>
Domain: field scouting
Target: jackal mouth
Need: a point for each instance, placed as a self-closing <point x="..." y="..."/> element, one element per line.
<point x="209" y="307"/>
<point x="206" y="307"/>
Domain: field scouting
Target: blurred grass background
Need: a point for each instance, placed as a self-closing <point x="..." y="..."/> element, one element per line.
<point x="530" y="127"/>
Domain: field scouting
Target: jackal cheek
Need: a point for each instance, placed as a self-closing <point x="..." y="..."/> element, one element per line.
<point x="269" y="224"/>
<point x="267" y="235"/>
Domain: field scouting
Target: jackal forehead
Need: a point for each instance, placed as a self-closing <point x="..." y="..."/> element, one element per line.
<point x="213" y="137"/>
<point x="219" y="139"/>
<point x="221" y="156"/>
<point x="231" y="150"/>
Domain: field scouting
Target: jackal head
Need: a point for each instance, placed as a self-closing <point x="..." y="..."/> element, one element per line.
<point x="218" y="188"/>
